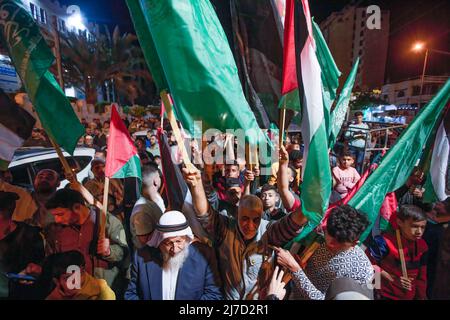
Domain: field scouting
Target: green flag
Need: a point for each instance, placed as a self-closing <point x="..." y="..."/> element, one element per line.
<point x="397" y="165"/>
<point x="147" y="44"/>
<point x="33" y="58"/>
<point x="339" y="112"/>
<point x="198" y="64"/>
<point x="330" y="72"/>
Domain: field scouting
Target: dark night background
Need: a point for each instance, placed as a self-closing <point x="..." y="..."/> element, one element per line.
<point x="410" y="21"/>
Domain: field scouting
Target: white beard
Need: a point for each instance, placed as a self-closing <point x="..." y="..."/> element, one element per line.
<point x="176" y="262"/>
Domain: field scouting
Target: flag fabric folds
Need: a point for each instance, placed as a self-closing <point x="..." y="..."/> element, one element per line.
<point x="398" y="163"/>
<point x="16" y="125"/>
<point x="435" y="181"/>
<point x="198" y="64"/>
<point x="339" y="112"/>
<point x="32" y="58"/>
<point x="177" y="191"/>
<point x="317" y="182"/>
<point x="175" y="186"/>
<point x="329" y="72"/>
<point x="122" y="160"/>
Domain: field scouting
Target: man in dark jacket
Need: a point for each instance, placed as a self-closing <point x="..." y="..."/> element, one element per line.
<point x="20" y="246"/>
<point x="171" y="266"/>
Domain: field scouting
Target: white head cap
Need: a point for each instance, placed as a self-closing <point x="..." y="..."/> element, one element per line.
<point x="171" y="224"/>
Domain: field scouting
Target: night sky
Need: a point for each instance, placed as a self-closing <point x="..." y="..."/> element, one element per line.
<point x="411" y="20"/>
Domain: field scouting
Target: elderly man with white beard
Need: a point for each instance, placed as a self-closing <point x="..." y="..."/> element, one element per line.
<point x="172" y="265"/>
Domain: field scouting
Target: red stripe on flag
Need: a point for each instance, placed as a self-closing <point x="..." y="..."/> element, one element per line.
<point x="289" y="82"/>
<point x="388" y="210"/>
<point x="121" y="147"/>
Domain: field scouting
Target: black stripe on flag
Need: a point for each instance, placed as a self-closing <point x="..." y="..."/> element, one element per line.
<point x="15" y="118"/>
<point x="300" y="36"/>
<point x="175" y="186"/>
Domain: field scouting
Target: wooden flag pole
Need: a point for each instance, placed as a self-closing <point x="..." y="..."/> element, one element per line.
<point x="282" y="124"/>
<point x="73" y="178"/>
<point x="67" y="169"/>
<point x="401" y="253"/>
<point x="176" y="130"/>
<point x="104" y="210"/>
<point x="248" y="157"/>
<point x="308" y="254"/>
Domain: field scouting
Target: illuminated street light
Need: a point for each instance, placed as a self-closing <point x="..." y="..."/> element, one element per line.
<point x="75" y="19"/>
<point x="419" y="46"/>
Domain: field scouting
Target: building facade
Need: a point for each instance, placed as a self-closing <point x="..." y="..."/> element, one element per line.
<point x="349" y="37"/>
<point x="407" y="92"/>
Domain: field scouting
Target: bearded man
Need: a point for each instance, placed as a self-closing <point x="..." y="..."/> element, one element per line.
<point x="172" y="265"/>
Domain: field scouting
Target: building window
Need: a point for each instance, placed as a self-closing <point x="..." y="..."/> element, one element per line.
<point x="361" y="34"/>
<point x="62" y="25"/>
<point x="33" y="10"/>
<point x="361" y="42"/>
<point x="416" y="90"/>
<point x="401" y="94"/>
<point x="363" y="13"/>
<point x="43" y="18"/>
<point x="360" y="52"/>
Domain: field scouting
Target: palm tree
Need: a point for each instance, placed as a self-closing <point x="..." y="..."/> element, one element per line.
<point x="112" y="59"/>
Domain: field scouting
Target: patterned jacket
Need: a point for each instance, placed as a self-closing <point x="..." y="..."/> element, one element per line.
<point x="324" y="267"/>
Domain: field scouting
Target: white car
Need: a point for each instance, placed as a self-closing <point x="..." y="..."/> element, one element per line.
<point x="27" y="162"/>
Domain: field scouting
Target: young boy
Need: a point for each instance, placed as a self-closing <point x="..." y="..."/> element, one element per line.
<point x="345" y="177"/>
<point x="270" y="198"/>
<point x="384" y="254"/>
<point x="64" y="286"/>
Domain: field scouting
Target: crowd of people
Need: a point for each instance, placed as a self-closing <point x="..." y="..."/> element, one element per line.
<point x="51" y="246"/>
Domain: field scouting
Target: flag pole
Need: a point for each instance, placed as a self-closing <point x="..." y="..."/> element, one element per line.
<point x="401" y="253"/>
<point x="104" y="210"/>
<point x="282" y="123"/>
<point x="176" y="129"/>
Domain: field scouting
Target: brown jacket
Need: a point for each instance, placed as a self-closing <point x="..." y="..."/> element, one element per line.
<point x="61" y="238"/>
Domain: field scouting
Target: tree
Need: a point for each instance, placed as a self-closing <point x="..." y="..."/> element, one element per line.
<point x="90" y="64"/>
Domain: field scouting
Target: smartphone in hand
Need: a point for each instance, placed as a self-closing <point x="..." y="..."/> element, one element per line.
<point x="17" y="277"/>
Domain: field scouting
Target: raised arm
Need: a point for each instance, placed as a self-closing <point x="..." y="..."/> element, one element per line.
<point x="194" y="180"/>
<point x="283" y="179"/>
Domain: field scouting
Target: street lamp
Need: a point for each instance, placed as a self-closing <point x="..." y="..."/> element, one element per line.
<point x="418" y="47"/>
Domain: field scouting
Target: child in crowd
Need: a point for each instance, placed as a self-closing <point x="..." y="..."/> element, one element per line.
<point x="270" y="199"/>
<point x="59" y="273"/>
<point x="384" y="254"/>
<point x="345" y="177"/>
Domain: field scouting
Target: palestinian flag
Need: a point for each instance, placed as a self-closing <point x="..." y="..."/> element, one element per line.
<point x="329" y="72"/>
<point x="16" y="125"/>
<point x="33" y="58"/>
<point x="122" y="160"/>
<point x="317" y="182"/>
<point x="398" y="163"/>
<point x="435" y="182"/>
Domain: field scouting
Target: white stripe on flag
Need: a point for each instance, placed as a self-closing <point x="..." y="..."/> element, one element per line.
<point x="313" y="114"/>
<point x="9" y="142"/>
<point x="439" y="160"/>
